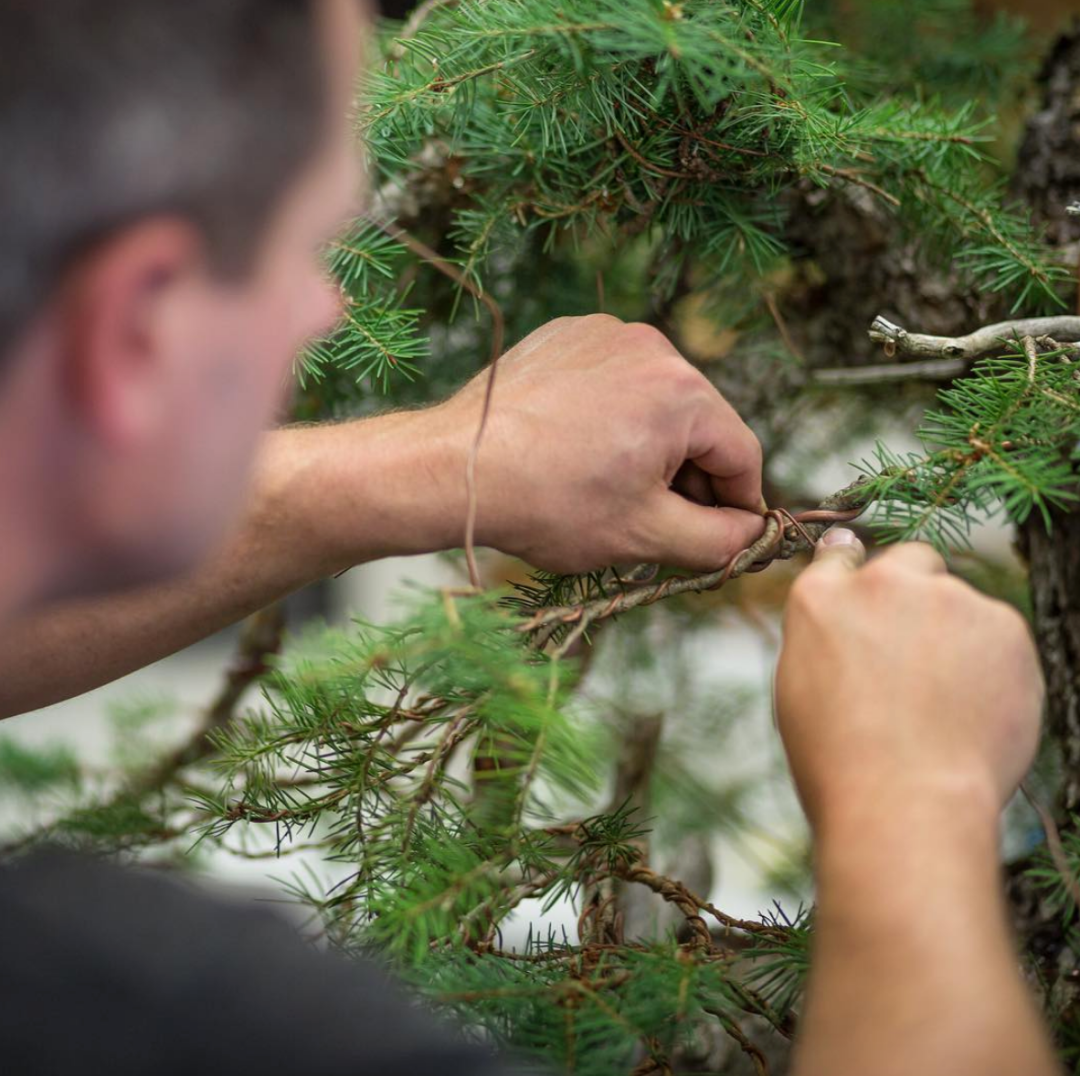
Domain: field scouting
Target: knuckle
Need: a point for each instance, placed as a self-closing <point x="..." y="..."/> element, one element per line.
<point x="599" y="320"/>
<point x="578" y="323"/>
<point x="992" y="616"/>
<point x="882" y="572"/>
<point x="667" y="376"/>
<point x="951" y="602"/>
<point x="641" y="334"/>
<point x="679" y="376"/>
<point x="953" y="591"/>
<point x="754" y="452"/>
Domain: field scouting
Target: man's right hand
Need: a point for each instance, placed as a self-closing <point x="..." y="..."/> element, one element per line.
<point x="603" y="445"/>
<point x="897" y="681"/>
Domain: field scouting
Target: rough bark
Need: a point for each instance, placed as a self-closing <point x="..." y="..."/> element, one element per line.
<point x="1048" y="179"/>
<point x="1048" y="166"/>
<point x="858" y="262"/>
<point x="1054" y="579"/>
<point x="1054" y="564"/>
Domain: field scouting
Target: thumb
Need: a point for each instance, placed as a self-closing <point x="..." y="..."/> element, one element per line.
<point x="839" y="550"/>
<point x="702" y="538"/>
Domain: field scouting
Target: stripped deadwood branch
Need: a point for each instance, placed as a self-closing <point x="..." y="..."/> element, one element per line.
<point x="982" y="343"/>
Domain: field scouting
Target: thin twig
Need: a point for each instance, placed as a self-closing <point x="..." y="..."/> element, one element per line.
<point x="447" y="268"/>
<point x="470" y="478"/>
<point x="1028" y="344"/>
<point x="648" y="165"/>
<point x="891" y="372"/>
<point x="851" y="176"/>
<point x="781" y="325"/>
<point x="1054" y="845"/>
<point x="731" y="1026"/>
<point x="418" y="17"/>
<point x="260" y="637"/>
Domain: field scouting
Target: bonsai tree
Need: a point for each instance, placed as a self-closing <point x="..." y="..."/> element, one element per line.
<point x="827" y="231"/>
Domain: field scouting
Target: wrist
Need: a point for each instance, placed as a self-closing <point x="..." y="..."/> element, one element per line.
<point x="918" y="816"/>
<point x="393" y="485"/>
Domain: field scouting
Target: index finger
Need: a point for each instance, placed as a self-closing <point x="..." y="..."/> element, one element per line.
<point x="727" y="450"/>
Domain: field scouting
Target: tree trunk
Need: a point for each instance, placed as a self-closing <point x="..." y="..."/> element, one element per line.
<point x="1054" y="566"/>
<point x="1054" y="575"/>
<point x="1048" y="179"/>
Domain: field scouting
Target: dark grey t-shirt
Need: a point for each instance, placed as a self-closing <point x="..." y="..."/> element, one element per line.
<point x="121" y="973"/>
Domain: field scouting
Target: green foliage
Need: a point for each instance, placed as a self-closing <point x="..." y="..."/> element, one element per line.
<point x="940" y="48"/>
<point x="426" y="846"/>
<point x="1057" y="884"/>
<point x="122" y="824"/>
<point x="33" y="771"/>
<point x="659" y="148"/>
<point x="1048" y="877"/>
<point x="1005" y="440"/>
<point x="377" y="339"/>
<point x="782" y="961"/>
<point x="589" y="1020"/>
<point x="433" y="766"/>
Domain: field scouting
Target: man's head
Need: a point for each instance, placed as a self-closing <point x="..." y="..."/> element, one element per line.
<point x="171" y="170"/>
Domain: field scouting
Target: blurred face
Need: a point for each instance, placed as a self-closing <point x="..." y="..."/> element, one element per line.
<point x="239" y="340"/>
<point x="188" y="373"/>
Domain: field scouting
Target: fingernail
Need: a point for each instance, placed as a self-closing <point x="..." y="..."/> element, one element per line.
<point x="839" y="536"/>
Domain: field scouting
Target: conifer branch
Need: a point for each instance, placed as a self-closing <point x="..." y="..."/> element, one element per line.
<point x="1054" y="846"/>
<point x="447" y="268"/>
<point x="785" y="534"/>
<point x="731" y="1026"/>
<point x="260" y="638"/>
<point x="850" y="175"/>
<point x="690" y="905"/>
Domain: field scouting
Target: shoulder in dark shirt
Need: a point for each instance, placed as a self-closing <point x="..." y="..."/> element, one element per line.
<point x="117" y="972"/>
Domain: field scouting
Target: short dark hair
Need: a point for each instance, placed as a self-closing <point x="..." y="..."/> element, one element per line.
<point x="115" y="110"/>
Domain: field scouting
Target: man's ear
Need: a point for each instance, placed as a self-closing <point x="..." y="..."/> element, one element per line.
<point x="116" y="360"/>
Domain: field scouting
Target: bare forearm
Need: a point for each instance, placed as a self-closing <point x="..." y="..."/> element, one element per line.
<point x="914" y="967"/>
<point x="323" y="498"/>
<point x="552" y="485"/>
